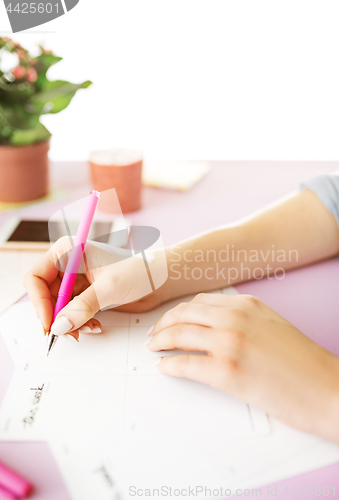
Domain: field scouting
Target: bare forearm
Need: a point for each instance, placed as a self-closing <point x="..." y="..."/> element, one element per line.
<point x="294" y="232"/>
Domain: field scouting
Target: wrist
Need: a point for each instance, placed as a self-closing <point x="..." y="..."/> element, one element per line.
<point x="175" y="285"/>
<point x="160" y="269"/>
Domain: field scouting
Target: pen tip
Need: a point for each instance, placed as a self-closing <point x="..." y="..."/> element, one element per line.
<point x="52" y="343"/>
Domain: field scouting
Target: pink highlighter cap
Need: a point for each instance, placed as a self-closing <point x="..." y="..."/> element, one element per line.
<point x="96" y="193"/>
<point x="17" y="485"/>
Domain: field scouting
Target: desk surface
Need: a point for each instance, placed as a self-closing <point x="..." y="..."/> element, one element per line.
<point x="307" y="297"/>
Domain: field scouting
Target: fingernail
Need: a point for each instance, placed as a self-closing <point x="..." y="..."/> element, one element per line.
<point x="97" y="329"/>
<point x="42" y="326"/>
<point x="150" y="330"/>
<point x="61" y="326"/>
<point x="85" y="329"/>
<point x="148" y="340"/>
<point x="71" y="338"/>
<point x="157" y="360"/>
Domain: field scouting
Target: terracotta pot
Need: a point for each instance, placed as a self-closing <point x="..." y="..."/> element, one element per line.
<point x="24" y="172"/>
<point x="119" y="169"/>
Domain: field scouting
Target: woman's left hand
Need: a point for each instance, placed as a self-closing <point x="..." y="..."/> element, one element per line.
<point x="248" y="350"/>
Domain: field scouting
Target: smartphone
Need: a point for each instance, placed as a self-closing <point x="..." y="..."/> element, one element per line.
<point x="21" y="234"/>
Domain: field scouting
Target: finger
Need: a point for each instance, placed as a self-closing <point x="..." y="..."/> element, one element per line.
<point x="40" y="276"/>
<point x="191" y="366"/>
<point x="182" y="336"/>
<point x="92" y="326"/>
<point x="77" y="312"/>
<point x="75" y="335"/>
<point x="186" y="312"/>
<point x="40" y="296"/>
<point x="54" y="289"/>
<point x="216" y="299"/>
<point x="80" y="285"/>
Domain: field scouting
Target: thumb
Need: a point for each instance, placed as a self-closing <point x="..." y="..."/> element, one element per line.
<point x="77" y="312"/>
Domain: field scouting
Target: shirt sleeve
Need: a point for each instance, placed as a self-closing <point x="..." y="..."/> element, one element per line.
<point x="326" y="187"/>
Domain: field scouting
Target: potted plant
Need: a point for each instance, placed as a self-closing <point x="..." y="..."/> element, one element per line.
<point x="25" y="95"/>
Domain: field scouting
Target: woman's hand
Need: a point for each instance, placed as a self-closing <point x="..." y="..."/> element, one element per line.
<point x="254" y="354"/>
<point x="111" y="277"/>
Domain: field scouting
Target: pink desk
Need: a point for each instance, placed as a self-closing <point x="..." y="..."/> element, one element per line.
<point x="307" y="297"/>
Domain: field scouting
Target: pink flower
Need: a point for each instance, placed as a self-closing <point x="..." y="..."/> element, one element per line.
<point x="32" y="75"/>
<point x="18" y="72"/>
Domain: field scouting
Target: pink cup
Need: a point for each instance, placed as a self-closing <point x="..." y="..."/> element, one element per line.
<point x="119" y="169"/>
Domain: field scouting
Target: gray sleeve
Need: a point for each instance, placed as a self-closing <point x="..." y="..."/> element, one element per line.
<point x="326" y="187"/>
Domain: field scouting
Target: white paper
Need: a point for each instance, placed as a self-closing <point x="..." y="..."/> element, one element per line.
<point x="108" y="384"/>
<point x="13" y="267"/>
<point x="108" y="411"/>
<point x="13" y="329"/>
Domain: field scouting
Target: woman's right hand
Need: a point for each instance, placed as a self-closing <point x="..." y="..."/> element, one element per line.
<point x="111" y="278"/>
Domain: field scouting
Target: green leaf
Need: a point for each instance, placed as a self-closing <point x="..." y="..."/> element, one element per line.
<point x="22" y="103"/>
<point x="5" y="128"/>
<point x="7" y="44"/>
<point x="14" y="92"/>
<point x="29" y="136"/>
<point x="18" y="117"/>
<point x="55" y="96"/>
<point x="43" y="63"/>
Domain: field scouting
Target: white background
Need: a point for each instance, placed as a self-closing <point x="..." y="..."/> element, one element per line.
<point x="182" y="79"/>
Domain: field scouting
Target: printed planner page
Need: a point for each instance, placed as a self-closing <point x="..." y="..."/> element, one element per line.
<point x="104" y="406"/>
<point x="108" y="384"/>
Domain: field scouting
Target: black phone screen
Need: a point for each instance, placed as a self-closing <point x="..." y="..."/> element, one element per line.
<point x="38" y="231"/>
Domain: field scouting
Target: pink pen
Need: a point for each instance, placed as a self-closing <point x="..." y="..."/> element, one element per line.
<point x="73" y="265"/>
<point x="13" y="486"/>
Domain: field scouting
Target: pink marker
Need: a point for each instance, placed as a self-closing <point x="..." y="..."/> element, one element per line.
<point x="13" y="486"/>
<point x="6" y="495"/>
<point x="73" y="265"/>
